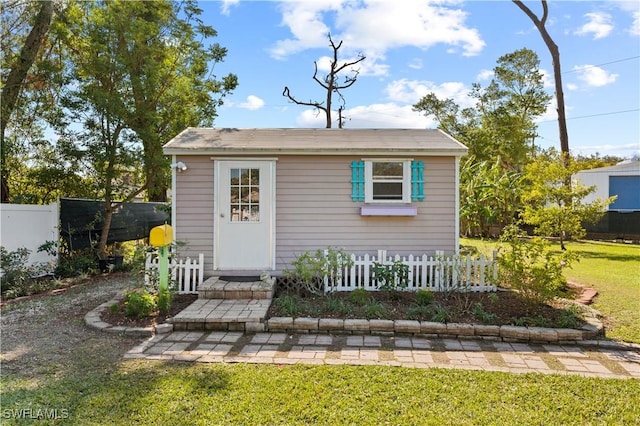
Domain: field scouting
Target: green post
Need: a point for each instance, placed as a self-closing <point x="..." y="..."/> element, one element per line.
<point x="163" y="269"/>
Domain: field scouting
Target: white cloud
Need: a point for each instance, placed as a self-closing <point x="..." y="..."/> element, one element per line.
<point x="635" y="26"/>
<point x="599" y="24"/>
<point x="253" y="103"/>
<point x="366" y="67"/>
<point x="411" y="91"/>
<point x="225" y="8"/>
<point x="594" y="76"/>
<point x="547" y="79"/>
<point x="572" y="86"/>
<point x="622" y="149"/>
<point x="416" y="64"/>
<point x="485" y="75"/>
<point x="371" y="26"/>
<point x="388" y="115"/>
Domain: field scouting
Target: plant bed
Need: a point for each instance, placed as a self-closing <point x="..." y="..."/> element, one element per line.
<point x="118" y="317"/>
<point x="501" y="308"/>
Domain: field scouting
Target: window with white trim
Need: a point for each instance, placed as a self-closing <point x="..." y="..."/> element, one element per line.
<point x="387" y="181"/>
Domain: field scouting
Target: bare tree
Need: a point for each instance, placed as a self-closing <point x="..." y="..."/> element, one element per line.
<point x="557" y="73"/>
<point x="331" y="84"/>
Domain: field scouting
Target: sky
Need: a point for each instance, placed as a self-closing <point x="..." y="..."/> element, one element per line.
<point x="415" y="47"/>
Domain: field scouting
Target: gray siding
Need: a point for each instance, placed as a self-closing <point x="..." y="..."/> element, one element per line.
<point x="314" y="210"/>
<point x="193" y="206"/>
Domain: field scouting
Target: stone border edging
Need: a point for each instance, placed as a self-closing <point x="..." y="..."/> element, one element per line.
<point x="506" y="333"/>
<point x="92" y="319"/>
<point x="586" y="336"/>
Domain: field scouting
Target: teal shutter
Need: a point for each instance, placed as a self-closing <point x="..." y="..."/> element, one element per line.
<point x="417" y="181"/>
<point x="357" y="180"/>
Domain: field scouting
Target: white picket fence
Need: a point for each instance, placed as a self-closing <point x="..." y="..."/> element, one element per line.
<point x="187" y="274"/>
<point x="434" y="273"/>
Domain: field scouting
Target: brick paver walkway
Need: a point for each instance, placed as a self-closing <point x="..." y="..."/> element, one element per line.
<point x="416" y="352"/>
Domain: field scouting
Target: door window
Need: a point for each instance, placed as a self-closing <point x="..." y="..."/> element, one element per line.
<point x="244" y="197"/>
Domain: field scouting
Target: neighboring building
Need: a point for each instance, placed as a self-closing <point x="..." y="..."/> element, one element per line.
<point x="621" y="180"/>
<point x="252" y="200"/>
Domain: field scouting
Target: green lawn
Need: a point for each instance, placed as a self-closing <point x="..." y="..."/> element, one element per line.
<point x="611" y="268"/>
<point x="171" y="393"/>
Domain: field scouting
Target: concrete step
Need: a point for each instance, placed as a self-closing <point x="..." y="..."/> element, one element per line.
<point x="215" y="288"/>
<point x="223" y="314"/>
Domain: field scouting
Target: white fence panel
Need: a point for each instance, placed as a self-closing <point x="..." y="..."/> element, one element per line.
<point x="187" y="274"/>
<point x="29" y="226"/>
<point x="439" y="273"/>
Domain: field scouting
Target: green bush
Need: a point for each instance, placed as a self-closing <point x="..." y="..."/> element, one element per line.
<point x="390" y="276"/>
<point x="140" y="304"/>
<point x="530" y="268"/>
<point x="290" y="305"/>
<point x="424" y="297"/>
<point x="19" y="278"/>
<point x="375" y="310"/>
<point x="165" y="298"/>
<point x="483" y="316"/>
<point x="73" y="263"/>
<point x="309" y="270"/>
<point x="439" y="313"/>
<point x="338" y="306"/>
<point x="420" y="313"/>
<point x="360" y="296"/>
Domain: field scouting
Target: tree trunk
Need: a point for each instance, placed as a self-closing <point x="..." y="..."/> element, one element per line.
<point x="13" y="83"/>
<point x="104" y="233"/>
<point x="557" y="73"/>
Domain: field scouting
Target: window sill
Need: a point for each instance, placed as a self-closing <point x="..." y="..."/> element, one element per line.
<point x="388" y="211"/>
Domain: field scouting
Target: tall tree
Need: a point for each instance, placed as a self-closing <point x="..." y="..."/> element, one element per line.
<point x="15" y="74"/>
<point x="540" y="24"/>
<point x="167" y="83"/>
<point x="502" y="121"/>
<point x="140" y="73"/>
<point x="331" y="84"/>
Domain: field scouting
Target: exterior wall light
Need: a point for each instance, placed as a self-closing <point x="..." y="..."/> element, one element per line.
<point x="179" y="166"/>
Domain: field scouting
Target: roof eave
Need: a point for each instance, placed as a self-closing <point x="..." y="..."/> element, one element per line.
<point x="458" y="152"/>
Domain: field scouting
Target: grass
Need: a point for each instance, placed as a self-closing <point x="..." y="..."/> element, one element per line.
<point x="611" y="268"/>
<point x="156" y="392"/>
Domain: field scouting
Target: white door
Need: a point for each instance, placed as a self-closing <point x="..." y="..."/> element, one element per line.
<point x="244" y="215"/>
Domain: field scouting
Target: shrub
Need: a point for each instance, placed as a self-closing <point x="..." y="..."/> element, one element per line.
<point x="140" y="304"/>
<point x="424" y="297"/>
<point x="309" y="270"/>
<point x="338" y="306"/>
<point x="439" y="313"/>
<point x="375" y="310"/>
<point x="419" y="313"/>
<point x="18" y="277"/>
<point x="390" y="276"/>
<point x="360" y="296"/>
<point x="483" y="316"/>
<point x="530" y="268"/>
<point x="74" y="263"/>
<point x="289" y="305"/>
<point x="165" y="298"/>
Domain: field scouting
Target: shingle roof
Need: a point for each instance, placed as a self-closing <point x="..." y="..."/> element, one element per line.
<point x="220" y="141"/>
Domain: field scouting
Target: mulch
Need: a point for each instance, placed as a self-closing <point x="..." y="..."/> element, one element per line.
<point x="119" y="318"/>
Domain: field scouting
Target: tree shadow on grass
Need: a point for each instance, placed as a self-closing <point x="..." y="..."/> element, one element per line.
<point x="136" y="392"/>
<point x="585" y="252"/>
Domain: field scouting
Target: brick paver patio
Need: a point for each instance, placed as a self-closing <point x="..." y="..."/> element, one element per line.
<point x="402" y="351"/>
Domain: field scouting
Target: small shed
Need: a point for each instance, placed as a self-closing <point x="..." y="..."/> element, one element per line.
<point x="621" y="180"/>
<point x="251" y="200"/>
